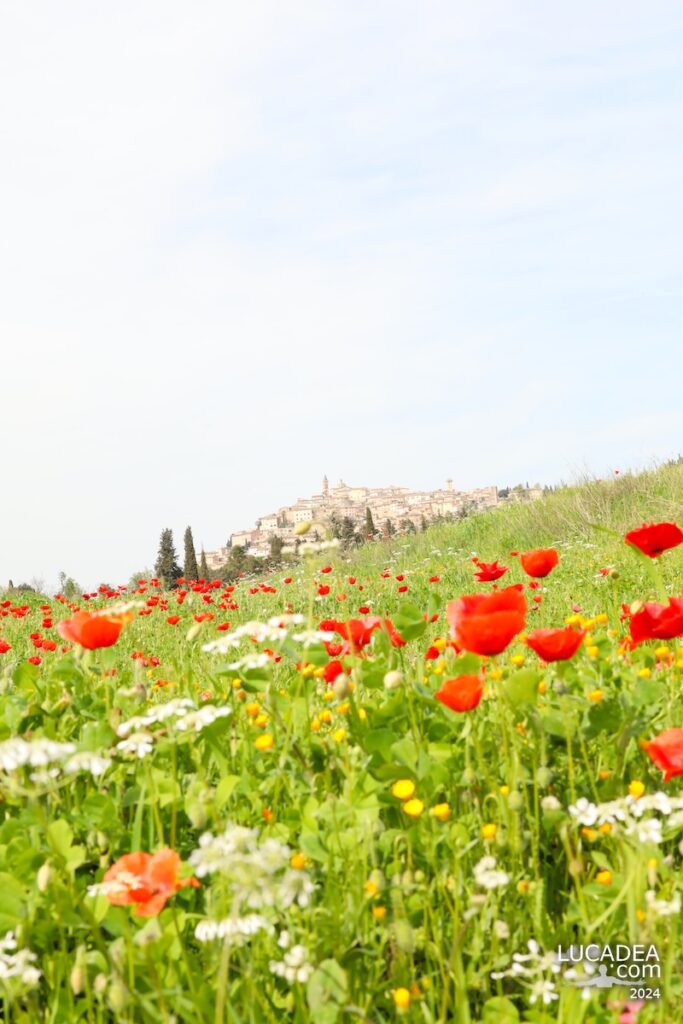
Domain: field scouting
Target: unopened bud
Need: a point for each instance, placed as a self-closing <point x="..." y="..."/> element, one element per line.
<point x="515" y="801"/>
<point x="341" y="686"/>
<point x="636" y="607"/>
<point x="100" y="984"/>
<point x="544" y="777"/>
<point x="117" y="997"/>
<point x="301" y="529"/>
<point x="44" y="875"/>
<point x="194" y="630"/>
<point x="393" y="680"/>
<point x="77" y="980"/>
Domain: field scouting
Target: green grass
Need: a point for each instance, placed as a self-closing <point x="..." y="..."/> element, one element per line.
<point x="394" y="908"/>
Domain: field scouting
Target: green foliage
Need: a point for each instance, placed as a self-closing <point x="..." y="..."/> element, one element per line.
<point x="166" y="567"/>
<point x="190" y="567"/>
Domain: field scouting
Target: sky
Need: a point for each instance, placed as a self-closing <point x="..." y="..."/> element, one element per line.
<point x="246" y="244"/>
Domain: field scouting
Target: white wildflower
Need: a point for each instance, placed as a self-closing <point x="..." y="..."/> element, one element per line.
<point x="37" y="753"/>
<point x="237" y="930"/>
<point x="485" y="874"/>
<point x="87" y="761"/>
<point x="294" y="966"/>
<point x="139" y="745"/>
<point x="663" y="908"/>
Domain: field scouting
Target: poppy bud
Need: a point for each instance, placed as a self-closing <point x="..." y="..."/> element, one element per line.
<point x="194" y="630"/>
<point x="100" y="984"/>
<point x="117" y="997"/>
<point x="43" y="877"/>
<point x="636" y="607"/>
<point x="301" y="529"/>
<point x="77" y="980"/>
<point x="196" y="812"/>
<point x="613" y="574"/>
<point x="515" y="801"/>
<point x="544" y="777"/>
<point x="392" y="680"/>
<point x="341" y="686"/>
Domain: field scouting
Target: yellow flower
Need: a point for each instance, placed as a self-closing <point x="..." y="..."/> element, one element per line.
<point x="403" y="789"/>
<point x="339" y="735"/>
<point x="261" y="720"/>
<point x="379" y="913"/>
<point x="264" y="742"/>
<point x="298" y="861"/>
<point x="401" y="997"/>
<point x="636" y="789"/>
<point x="495" y="673"/>
<point x="589" y="833"/>
<point x="605" y="828"/>
<point x="604" y="774"/>
<point x="315" y="725"/>
<point x="504" y="790"/>
<point x="593" y="651"/>
<point x="319" y="672"/>
<point x="572" y="620"/>
<point x="252" y="708"/>
<point x="542" y="686"/>
<point x="413" y="808"/>
<point x="328" y="695"/>
<point x="325" y="716"/>
<point x="522" y="886"/>
<point x="604" y="877"/>
<point x="371" y="889"/>
<point x="644" y="673"/>
<point x="308" y="670"/>
<point x="362" y="714"/>
<point x="236" y="683"/>
<point x="488" y="831"/>
<point x="596" y="696"/>
<point x="343" y="709"/>
<point x="517" y="659"/>
<point x="663" y="651"/>
<point x="441" y="811"/>
<point x="641" y="915"/>
<point x="602" y="618"/>
<point x="440" y="643"/>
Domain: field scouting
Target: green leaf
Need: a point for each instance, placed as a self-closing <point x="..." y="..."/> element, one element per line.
<point x="225" y="789"/>
<point x="380" y="741"/>
<point x="409" y="621"/>
<point x="499" y="1010"/>
<point x="327" y="991"/>
<point x="522" y="687"/>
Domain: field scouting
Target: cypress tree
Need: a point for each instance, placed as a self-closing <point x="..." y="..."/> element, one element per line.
<point x="166" y="567"/>
<point x="389" y="529"/>
<point x="370" y="530"/>
<point x="203" y="566"/>
<point x="190" y="569"/>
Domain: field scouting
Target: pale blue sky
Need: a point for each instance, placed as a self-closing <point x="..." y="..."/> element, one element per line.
<point x="246" y="244"/>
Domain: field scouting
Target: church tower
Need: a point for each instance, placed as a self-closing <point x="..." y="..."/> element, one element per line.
<point x="326" y="487"/>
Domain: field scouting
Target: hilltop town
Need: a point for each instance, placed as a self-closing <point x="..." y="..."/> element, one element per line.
<point x="401" y="506"/>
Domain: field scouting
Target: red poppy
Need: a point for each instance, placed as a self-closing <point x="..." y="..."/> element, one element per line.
<point x="173" y="620"/>
<point x="555" y="644"/>
<point x="461" y="694"/>
<point x="332" y="670"/>
<point x="5" y="647"/>
<point x="92" y="630"/>
<point x="487" y="572"/>
<point x="540" y="562"/>
<point x="145" y="880"/>
<point x="323" y="591"/>
<point x="652" y="540"/>
<point x="657" y="621"/>
<point x="487" y="623"/>
<point x="666" y="750"/>
<point x="434" y="579"/>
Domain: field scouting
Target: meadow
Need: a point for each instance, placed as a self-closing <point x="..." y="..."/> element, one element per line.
<point x="379" y="785"/>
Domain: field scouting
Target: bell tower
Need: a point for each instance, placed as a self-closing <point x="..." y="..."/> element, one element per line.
<point x="326" y="487"/>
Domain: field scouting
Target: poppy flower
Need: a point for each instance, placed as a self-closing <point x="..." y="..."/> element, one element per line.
<point x="323" y="591"/>
<point x="666" y="750"/>
<point x="652" y="540"/>
<point x="145" y="880"/>
<point x="657" y="621"/>
<point x="5" y="647"/>
<point x="173" y="620"/>
<point x="487" y="572"/>
<point x="462" y="693"/>
<point x="539" y="562"/>
<point x="91" y="629"/>
<point x="555" y="644"/>
<point x="487" y="623"/>
<point x="332" y="670"/>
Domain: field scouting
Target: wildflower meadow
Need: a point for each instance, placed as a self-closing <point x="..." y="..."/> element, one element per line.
<point x="374" y="785"/>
